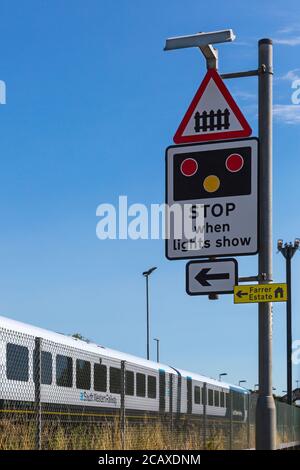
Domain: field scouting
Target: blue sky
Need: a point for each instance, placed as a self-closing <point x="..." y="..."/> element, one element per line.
<point x="92" y="103"/>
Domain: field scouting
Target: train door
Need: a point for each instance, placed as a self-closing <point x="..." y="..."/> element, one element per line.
<point x="189" y="385"/>
<point x="162" y="391"/>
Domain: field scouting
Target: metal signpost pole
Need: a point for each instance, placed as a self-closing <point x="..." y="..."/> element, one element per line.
<point x="265" y="410"/>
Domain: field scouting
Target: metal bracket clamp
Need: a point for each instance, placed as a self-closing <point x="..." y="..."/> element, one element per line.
<point x="264" y="277"/>
<point x="264" y="69"/>
<point x="212" y="295"/>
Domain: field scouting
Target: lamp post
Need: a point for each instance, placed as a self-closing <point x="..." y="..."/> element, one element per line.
<point x="157" y="348"/>
<point x="222" y="375"/>
<point x="146" y="274"/>
<point x="288" y="250"/>
<point x="242" y="382"/>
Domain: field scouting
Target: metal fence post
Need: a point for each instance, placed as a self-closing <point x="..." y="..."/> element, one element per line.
<point x="37" y="397"/>
<point x="231" y="420"/>
<point x="248" y="424"/>
<point x="122" y="405"/>
<point x="292" y="424"/>
<point x="204" y="398"/>
<point x="171" y="409"/>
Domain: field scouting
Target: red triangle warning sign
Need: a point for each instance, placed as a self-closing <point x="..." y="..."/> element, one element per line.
<point x="212" y="115"/>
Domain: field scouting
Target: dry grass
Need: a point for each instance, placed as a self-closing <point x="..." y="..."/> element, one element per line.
<point x="16" y="435"/>
<point x="19" y="434"/>
<point x="108" y="436"/>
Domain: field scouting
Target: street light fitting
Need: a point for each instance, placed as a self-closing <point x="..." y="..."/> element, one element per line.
<point x="199" y="39"/>
<point x="288" y="249"/>
<point x="150" y="271"/>
<point x="222" y="375"/>
<point x="279" y="244"/>
<point x="204" y="42"/>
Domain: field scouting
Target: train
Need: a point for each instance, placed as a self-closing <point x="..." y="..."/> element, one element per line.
<point x="75" y="378"/>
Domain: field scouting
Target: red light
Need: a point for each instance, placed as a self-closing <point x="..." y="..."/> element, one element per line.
<point x="234" y="162"/>
<point x="188" y="167"/>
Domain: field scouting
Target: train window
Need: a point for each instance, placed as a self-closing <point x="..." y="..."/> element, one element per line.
<point x="140" y="385"/>
<point x="83" y="374"/>
<point x="217" y="398"/>
<point x="210" y="397"/>
<point x="197" y="395"/>
<point x="222" y="399"/>
<point x="100" y="378"/>
<point x="129" y="383"/>
<point x="115" y="380"/>
<point x="17" y="362"/>
<point x="151" y="386"/>
<point x="46" y="368"/>
<point x="64" y="371"/>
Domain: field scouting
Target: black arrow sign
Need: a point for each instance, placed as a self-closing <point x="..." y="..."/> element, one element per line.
<point x="203" y="277"/>
<point x="240" y="293"/>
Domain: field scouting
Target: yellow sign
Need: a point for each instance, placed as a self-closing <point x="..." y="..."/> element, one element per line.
<point x="254" y="293"/>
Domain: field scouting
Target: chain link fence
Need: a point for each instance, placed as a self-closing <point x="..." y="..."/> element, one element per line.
<point x="62" y="396"/>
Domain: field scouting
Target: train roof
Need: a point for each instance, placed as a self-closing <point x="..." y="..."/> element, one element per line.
<point x="25" y="328"/>
<point x="203" y="378"/>
<point x="70" y="341"/>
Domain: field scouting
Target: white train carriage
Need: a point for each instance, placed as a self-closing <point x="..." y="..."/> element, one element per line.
<point x="200" y="391"/>
<point x="82" y="378"/>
